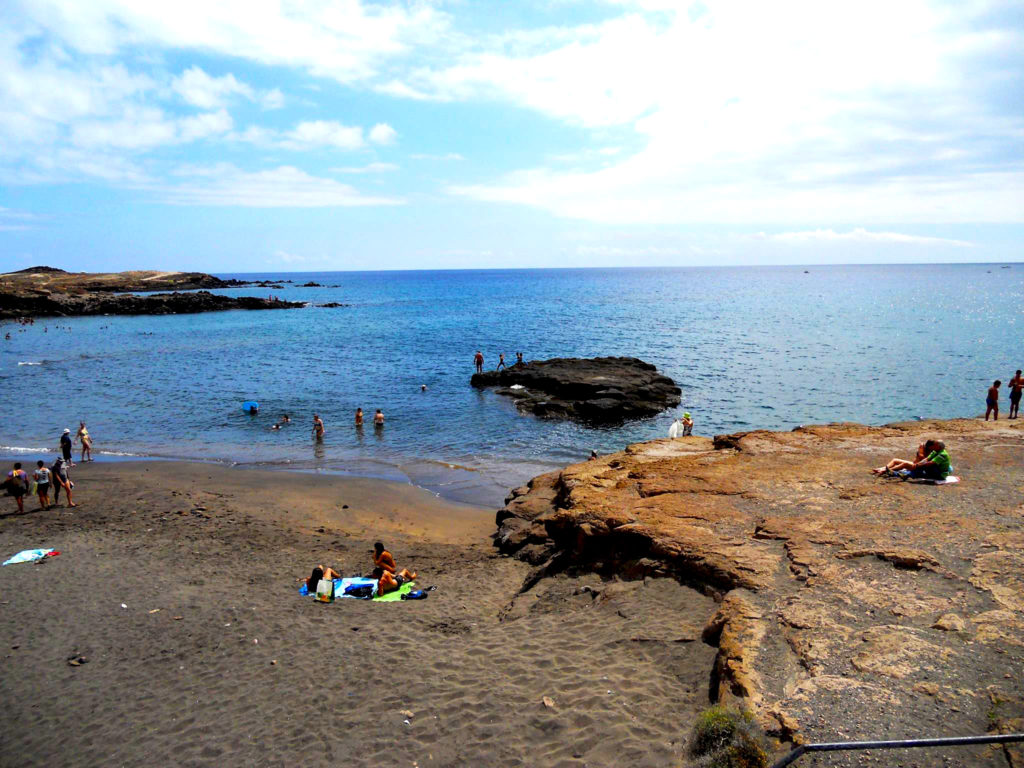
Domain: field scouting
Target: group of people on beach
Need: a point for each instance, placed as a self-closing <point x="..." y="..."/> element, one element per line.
<point x="1016" y="387"/>
<point x="45" y="479"/>
<point x="389" y="577"/>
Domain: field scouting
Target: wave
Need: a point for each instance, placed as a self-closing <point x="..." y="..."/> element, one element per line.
<point x="31" y="362"/>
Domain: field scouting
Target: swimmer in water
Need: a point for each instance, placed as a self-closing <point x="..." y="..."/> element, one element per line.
<point x="378" y="418"/>
<point x="359" y="417"/>
<point x="318" y="427"/>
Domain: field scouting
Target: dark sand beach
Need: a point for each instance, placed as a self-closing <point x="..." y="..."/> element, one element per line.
<point x="217" y="660"/>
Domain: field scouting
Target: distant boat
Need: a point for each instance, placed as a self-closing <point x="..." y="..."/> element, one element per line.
<point x="1005" y="267"/>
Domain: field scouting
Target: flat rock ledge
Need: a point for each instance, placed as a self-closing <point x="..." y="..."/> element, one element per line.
<point x="594" y="390"/>
<point x="849" y="607"/>
<point x="70" y="305"/>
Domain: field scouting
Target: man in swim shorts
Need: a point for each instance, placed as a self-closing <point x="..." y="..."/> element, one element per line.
<point x="992" y="400"/>
<point x="378" y="418"/>
<point x="359" y="417"/>
<point x="478" y="358"/>
<point x="1016" y="386"/>
<point x="501" y="362"/>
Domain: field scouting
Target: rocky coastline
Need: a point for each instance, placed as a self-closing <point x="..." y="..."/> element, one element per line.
<point x="843" y="599"/>
<point x="51" y="292"/>
<point x="594" y="390"/>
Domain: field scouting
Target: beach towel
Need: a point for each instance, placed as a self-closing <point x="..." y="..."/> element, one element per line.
<point x="394" y="597"/>
<point x="31" y="556"/>
<point x="927" y="481"/>
<point x="340" y="585"/>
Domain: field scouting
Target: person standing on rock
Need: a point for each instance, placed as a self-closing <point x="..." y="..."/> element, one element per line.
<point x="519" y="360"/>
<point x="478" y="358"/>
<point x="1016" y="386"/>
<point x="687" y="424"/>
<point x="992" y="400"/>
<point x="501" y="362"/>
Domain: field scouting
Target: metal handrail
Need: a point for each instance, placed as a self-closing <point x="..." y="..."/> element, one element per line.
<point x="953" y="741"/>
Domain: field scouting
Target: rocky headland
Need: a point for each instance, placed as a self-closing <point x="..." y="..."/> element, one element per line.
<point x="51" y="292"/>
<point x="595" y="390"/>
<point x="848" y="606"/>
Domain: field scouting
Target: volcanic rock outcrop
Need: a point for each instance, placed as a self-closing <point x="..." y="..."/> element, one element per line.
<point x="849" y="606"/>
<point x="596" y="390"/>
<point x="47" y="291"/>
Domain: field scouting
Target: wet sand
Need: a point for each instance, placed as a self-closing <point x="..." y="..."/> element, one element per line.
<point x="217" y="660"/>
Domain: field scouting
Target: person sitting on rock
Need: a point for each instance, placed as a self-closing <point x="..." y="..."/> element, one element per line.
<point x="932" y="463"/>
<point x="687" y="423"/>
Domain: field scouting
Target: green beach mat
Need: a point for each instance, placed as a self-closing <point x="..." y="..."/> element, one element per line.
<point x="391" y="597"/>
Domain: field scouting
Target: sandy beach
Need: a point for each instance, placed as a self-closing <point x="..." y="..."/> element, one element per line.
<point x="216" y="659"/>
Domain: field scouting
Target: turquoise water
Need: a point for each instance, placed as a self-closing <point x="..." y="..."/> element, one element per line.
<point x="750" y="347"/>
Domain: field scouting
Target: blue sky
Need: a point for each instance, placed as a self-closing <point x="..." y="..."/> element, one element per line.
<point x="240" y="135"/>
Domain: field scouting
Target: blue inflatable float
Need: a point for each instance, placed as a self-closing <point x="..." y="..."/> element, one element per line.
<point x="251" y="406"/>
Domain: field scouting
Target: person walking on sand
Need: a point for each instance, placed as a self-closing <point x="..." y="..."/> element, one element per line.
<point x="17" y="485"/>
<point x="359" y="417"/>
<point x="378" y="418"/>
<point x="1016" y="386"/>
<point x="65" y="446"/>
<point x="318" y="427"/>
<point x="61" y="480"/>
<point x="42" y="478"/>
<point x="85" y="440"/>
<point x="478" y="359"/>
<point x="501" y="362"/>
<point x="992" y="400"/>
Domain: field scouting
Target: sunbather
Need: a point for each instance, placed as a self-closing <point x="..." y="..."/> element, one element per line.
<point x="320" y="572"/>
<point x="385" y="562"/>
<point x="932" y="462"/>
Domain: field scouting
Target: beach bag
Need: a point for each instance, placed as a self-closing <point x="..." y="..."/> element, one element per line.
<point x="325" y="591"/>
<point x="415" y="594"/>
<point x="359" y="590"/>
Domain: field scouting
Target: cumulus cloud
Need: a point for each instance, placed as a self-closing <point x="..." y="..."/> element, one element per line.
<point x="206" y="91"/>
<point x="382" y="133"/>
<point x="282" y="187"/>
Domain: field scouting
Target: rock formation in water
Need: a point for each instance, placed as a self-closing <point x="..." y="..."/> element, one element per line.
<point x="849" y="605"/>
<point x="47" y="291"/>
<point x="70" y="305"/>
<point x="597" y="390"/>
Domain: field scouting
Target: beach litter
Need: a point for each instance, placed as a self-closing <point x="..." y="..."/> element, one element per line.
<point x="31" y="556"/>
<point x="548" y="702"/>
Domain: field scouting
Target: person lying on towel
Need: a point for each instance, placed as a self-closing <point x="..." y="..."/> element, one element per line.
<point x="932" y="463"/>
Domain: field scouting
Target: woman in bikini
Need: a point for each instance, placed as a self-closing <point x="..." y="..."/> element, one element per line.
<point x="83" y="437"/>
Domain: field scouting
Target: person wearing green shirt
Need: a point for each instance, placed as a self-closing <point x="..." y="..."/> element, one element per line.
<point x="933" y="465"/>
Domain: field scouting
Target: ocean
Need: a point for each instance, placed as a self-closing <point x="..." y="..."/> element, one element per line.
<point x="771" y="347"/>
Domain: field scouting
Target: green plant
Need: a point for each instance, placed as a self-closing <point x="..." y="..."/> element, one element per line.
<point x="727" y="738"/>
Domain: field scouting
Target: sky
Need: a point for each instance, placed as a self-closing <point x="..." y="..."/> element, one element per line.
<point x="296" y="135"/>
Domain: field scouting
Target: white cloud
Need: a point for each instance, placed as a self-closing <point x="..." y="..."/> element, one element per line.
<point x="145" y="128"/>
<point x="368" y="168"/>
<point x="860" y="235"/>
<point x="446" y="156"/>
<point x="201" y="90"/>
<point x="282" y="187"/>
<point x="324" y="133"/>
<point x="382" y="133"/>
